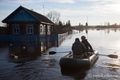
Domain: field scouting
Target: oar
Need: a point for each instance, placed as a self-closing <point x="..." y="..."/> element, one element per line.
<point x="110" y="55"/>
<point x="53" y="52"/>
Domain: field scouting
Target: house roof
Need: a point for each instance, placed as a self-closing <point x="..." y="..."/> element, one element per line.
<point x="22" y="14"/>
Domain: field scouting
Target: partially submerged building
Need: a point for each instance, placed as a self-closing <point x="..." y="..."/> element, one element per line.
<point x="29" y="31"/>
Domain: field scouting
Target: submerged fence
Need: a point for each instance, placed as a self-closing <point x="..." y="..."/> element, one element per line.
<point x="33" y="40"/>
<point x="28" y="38"/>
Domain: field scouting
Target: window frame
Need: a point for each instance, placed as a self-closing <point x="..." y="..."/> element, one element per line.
<point x="30" y="29"/>
<point x="16" y="28"/>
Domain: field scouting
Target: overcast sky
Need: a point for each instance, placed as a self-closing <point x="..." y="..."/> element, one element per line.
<point x="77" y="11"/>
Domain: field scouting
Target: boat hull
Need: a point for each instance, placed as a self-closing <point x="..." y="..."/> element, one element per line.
<point x="73" y="65"/>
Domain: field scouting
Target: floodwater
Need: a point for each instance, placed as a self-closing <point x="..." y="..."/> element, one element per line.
<point x="47" y="67"/>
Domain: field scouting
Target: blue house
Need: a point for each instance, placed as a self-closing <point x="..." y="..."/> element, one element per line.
<point x="29" y="31"/>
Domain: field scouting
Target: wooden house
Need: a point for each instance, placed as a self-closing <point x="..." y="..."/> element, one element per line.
<point x="28" y="29"/>
<point x="25" y="21"/>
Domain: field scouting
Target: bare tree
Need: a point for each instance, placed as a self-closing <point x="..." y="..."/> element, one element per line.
<point x="54" y="16"/>
<point x="68" y="23"/>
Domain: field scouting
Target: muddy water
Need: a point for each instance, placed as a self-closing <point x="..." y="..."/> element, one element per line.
<point x="47" y="66"/>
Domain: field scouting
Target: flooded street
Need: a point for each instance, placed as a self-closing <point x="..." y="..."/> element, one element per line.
<point x="47" y="66"/>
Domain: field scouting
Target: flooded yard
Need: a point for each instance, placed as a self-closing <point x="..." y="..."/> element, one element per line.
<point x="46" y="67"/>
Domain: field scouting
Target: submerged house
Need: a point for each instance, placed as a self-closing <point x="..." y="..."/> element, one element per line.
<point x="29" y="31"/>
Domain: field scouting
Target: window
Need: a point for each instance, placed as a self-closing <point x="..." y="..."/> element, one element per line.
<point x="42" y="29"/>
<point x="41" y="26"/>
<point x="29" y="29"/>
<point x="49" y="27"/>
<point x="16" y="28"/>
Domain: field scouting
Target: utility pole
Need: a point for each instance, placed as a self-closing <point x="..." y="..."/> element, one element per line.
<point x="86" y="22"/>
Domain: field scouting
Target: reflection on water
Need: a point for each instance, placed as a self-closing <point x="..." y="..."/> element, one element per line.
<point x="47" y="66"/>
<point x="113" y="66"/>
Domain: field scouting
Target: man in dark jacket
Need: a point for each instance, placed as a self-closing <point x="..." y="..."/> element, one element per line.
<point x="87" y="44"/>
<point x="78" y="49"/>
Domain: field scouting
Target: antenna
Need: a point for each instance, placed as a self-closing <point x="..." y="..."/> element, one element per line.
<point x="43" y="7"/>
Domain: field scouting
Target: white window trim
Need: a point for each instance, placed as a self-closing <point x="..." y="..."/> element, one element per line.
<point x="42" y="29"/>
<point x="49" y="29"/>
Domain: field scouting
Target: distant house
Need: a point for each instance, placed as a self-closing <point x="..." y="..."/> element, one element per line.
<point x="27" y="28"/>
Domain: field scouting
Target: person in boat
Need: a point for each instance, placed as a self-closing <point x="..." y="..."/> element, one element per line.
<point x="78" y="49"/>
<point x="87" y="44"/>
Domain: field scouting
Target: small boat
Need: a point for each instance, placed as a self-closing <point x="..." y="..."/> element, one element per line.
<point x="69" y="64"/>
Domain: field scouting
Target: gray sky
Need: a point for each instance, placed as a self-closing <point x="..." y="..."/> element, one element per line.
<point x="77" y="11"/>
